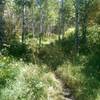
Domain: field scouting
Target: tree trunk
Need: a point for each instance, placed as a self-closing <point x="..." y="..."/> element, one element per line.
<point x="62" y="18"/>
<point x="23" y="21"/>
<point x="77" y="27"/>
<point x="2" y="23"/>
<point x="41" y="26"/>
<point x="84" y="22"/>
<point x="33" y="23"/>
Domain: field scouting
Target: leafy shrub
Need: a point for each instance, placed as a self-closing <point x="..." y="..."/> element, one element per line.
<point x="17" y="49"/>
<point x="6" y="71"/>
<point x="21" y="81"/>
<point x="67" y="44"/>
<point x="20" y="50"/>
<point x="51" y="55"/>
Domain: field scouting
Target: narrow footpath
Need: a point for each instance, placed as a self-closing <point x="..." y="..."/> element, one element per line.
<point x="67" y="93"/>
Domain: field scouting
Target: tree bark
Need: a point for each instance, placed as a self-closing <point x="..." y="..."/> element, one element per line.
<point x="62" y="18"/>
<point x="2" y="23"/>
<point x="33" y="23"/>
<point x="23" y="21"/>
<point x="77" y="26"/>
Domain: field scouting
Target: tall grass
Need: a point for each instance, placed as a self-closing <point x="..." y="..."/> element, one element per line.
<point x="20" y="81"/>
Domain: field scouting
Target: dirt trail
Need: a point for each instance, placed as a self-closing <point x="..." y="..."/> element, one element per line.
<point x="67" y="92"/>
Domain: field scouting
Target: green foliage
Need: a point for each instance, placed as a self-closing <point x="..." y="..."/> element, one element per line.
<point x="25" y="68"/>
<point x="94" y="35"/>
<point x="97" y="20"/>
<point x="84" y="80"/>
<point x="30" y="81"/>
<point x="67" y="45"/>
<point x="20" y="50"/>
<point x="50" y="54"/>
<point x="6" y="73"/>
<point x="17" y="49"/>
<point x="26" y="81"/>
<point x="84" y="76"/>
<point x="21" y="2"/>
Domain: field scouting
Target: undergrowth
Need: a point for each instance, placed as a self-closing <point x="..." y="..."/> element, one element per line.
<point x="20" y="81"/>
<point x="26" y="71"/>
